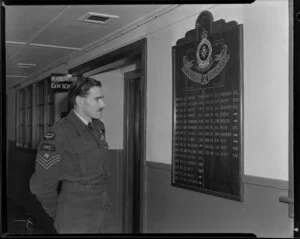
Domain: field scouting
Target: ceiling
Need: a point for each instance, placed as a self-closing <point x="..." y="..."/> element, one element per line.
<point x="40" y="36"/>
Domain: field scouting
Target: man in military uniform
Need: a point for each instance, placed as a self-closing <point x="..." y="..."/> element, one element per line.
<point x="74" y="151"/>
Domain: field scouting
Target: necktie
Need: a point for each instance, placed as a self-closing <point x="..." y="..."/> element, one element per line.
<point x="90" y="126"/>
<point x="98" y="136"/>
<point x="95" y="132"/>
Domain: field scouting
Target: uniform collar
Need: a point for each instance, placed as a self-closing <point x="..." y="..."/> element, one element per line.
<point x="77" y="122"/>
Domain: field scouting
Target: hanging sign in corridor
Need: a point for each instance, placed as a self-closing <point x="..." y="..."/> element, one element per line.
<point x="61" y="81"/>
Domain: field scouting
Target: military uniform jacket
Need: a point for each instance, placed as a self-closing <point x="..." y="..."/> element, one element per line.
<point x="69" y="151"/>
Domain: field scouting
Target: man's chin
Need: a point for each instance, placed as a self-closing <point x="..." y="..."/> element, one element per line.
<point x="97" y="116"/>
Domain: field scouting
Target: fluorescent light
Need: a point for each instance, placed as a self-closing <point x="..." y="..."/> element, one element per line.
<point x="16" y="76"/>
<point x="53" y="46"/>
<point x="16" y="42"/>
<point x="26" y="64"/>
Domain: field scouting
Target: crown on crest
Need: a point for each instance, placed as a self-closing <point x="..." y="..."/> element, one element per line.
<point x="204" y="34"/>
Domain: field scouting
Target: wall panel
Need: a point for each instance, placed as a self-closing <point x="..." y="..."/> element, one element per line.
<point x="115" y="186"/>
<point x="176" y="210"/>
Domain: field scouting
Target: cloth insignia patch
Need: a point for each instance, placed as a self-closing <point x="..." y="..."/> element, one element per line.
<point x="102" y="136"/>
<point x="46" y="160"/>
<point x="49" y="136"/>
<point x="48" y="147"/>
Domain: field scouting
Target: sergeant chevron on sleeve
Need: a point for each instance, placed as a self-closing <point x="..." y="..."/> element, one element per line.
<point x="47" y="174"/>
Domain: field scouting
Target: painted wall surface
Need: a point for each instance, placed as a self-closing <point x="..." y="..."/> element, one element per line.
<point x="176" y="210"/>
<point x="266" y="89"/>
<point x="113" y="113"/>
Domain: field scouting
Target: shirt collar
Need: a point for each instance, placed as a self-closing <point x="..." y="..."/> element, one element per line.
<point x="85" y="121"/>
<point x="78" y="123"/>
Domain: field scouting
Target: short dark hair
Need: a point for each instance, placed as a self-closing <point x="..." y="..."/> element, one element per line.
<point x="80" y="87"/>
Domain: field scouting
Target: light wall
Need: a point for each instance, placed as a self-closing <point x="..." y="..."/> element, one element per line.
<point x="113" y="90"/>
<point x="266" y="89"/>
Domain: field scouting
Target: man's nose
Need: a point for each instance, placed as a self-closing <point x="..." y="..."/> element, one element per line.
<point x="101" y="102"/>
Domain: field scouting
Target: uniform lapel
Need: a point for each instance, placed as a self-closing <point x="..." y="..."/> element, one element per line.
<point x="96" y="133"/>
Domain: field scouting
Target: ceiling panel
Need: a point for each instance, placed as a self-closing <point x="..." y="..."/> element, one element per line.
<point x="22" y="22"/>
<point x="59" y="26"/>
<point x="68" y="31"/>
<point x="13" y="69"/>
<point x="11" y="49"/>
<point x="40" y="56"/>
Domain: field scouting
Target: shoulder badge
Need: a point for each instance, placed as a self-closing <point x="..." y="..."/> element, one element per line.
<point x="49" y="136"/>
<point x="102" y="134"/>
<point x="48" y="147"/>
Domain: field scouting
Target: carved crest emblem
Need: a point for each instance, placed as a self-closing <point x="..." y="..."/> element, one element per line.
<point x="204" y="52"/>
<point x="210" y="63"/>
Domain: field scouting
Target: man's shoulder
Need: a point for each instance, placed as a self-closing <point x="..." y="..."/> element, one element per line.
<point x="62" y="125"/>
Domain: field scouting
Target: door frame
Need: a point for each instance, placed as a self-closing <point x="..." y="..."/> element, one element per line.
<point x="133" y="169"/>
<point x="134" y="52"/>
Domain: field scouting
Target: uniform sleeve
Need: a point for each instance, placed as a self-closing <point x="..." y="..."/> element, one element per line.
<point x="44" y="181"/>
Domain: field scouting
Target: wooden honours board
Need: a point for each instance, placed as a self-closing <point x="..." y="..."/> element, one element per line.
<point x="207" y="147"/>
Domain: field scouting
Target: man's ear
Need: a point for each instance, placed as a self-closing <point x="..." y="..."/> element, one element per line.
<point x="79" y="100"/>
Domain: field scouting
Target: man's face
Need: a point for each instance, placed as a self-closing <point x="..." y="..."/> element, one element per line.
<point x="92" y="105"/>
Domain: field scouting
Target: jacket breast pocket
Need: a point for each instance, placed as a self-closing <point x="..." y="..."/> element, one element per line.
<point x="91" y="163"/>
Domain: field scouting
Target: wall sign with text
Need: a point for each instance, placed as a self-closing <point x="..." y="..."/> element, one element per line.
<point x="61" y="82"/>
<point x="207" y="147"/>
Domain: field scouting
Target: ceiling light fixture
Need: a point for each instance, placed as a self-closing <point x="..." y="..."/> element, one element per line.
<point x="53" y="46"/>
<point x="16" y="76"/>
<point x="101" y="18"/>
<point x="16" y="42"/>
<point x="26" y="64"/>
